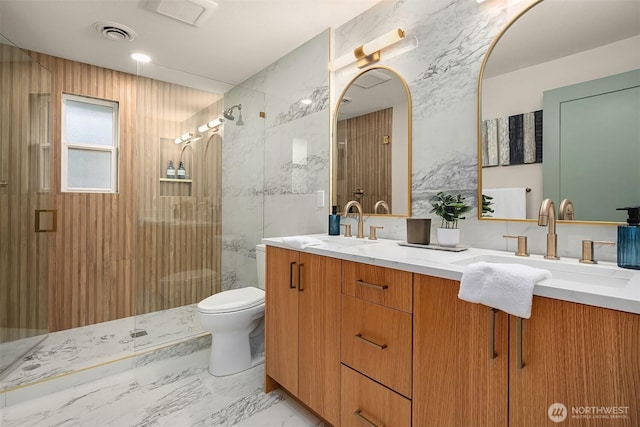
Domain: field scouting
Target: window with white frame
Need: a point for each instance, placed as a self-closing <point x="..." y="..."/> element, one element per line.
<point x="89" y="145"/>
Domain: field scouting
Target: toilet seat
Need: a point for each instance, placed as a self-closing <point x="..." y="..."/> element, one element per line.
<point x="232" y="300"/>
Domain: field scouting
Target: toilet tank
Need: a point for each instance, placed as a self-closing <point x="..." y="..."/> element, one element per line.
<point x="260" y="264"/>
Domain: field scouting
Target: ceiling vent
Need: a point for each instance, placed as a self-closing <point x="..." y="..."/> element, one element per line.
<point x="192" y="12"/>
<point x="114" y="31"/>
<point x="371" y="79"/>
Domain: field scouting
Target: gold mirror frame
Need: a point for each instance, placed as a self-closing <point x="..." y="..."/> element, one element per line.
<point x="409" y="140"/>
<point x="479" y="130"/>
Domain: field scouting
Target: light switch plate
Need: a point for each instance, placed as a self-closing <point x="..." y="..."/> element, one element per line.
<point x="320" y="198"/>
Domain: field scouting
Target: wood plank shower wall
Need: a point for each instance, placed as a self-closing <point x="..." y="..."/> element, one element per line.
<point x="112" y="251"/>
<point x="23" y="253"/>
<point x="364" y="160"/>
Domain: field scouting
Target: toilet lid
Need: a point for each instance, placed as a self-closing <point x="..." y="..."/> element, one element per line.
<point x="232" y="300"/>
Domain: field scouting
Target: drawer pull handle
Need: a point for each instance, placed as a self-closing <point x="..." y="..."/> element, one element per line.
<point x="519" y="362"/>
<point x="492" y="333"/>
<point x="291" y="285"/>
<point x="371" y="343"/>
<point x="372" y="285"/>
<point x="364" y="419"/>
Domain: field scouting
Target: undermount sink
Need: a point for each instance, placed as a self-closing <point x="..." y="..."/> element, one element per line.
<point x="567" y="271"/>
<point x="341" y="241"/>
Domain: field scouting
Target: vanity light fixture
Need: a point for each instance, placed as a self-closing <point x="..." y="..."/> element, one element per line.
<point x="184" y="138"/>
<point x="213" y="124"/>
<point x="368" y="53"/>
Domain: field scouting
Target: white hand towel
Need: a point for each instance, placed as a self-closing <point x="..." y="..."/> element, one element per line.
<point x="507" y="287"/>
<point x="301" y="242"/>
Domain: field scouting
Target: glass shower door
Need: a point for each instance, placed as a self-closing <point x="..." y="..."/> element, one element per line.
<point x="26" y="214"/>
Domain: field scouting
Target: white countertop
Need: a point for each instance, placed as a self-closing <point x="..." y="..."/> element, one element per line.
<point x="622" y="294"/>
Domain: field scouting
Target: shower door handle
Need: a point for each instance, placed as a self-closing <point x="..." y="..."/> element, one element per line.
<point x="46" y="221"/>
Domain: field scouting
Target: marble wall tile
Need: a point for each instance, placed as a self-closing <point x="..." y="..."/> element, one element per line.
<point x="286" y="158"/>
<point x="442" y="71"/>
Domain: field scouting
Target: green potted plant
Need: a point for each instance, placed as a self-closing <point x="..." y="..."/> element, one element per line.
<point x="450" y="208"/>
<point x="487" y="201"/>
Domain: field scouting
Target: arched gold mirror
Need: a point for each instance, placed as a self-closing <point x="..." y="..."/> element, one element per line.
<point x="558" y="108"/>
<point x="372" y="144"/>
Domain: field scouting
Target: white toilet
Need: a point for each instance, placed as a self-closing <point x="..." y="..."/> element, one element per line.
<point x="235" y="319"/>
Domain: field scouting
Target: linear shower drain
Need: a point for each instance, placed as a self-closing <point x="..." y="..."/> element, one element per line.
<point x="136" y="333"/>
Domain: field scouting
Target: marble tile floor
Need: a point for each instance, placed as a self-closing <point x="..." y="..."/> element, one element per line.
<point x="80" y="348"/>
<point x="175" y="392"/>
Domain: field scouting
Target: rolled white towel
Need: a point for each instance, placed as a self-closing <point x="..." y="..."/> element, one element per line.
<point x="301" y="242"/>
<point x="507" y="287"/>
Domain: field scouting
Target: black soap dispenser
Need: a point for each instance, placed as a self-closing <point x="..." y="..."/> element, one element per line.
<point x="334" y="222"/>
<point x="629" y="239"/>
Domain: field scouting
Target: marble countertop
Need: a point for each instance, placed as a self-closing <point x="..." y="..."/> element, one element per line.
<point x="622" y="294"/>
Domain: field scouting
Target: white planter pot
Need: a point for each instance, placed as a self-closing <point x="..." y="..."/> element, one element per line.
<point x="448" y="236"/>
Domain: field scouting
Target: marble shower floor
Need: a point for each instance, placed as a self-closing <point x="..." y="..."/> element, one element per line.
<point x="176" y="392"/>
<point x="80" y="348"/>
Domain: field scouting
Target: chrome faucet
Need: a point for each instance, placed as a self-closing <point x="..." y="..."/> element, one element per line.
<point x="566" y="210"/>
<point x="382" y="204"/>
<point x="547" y="216"/>
<point x="358" y="206"/>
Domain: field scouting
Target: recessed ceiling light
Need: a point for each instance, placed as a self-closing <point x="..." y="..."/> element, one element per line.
<point x="140" y="57"/>
<point x="306" y="102"/>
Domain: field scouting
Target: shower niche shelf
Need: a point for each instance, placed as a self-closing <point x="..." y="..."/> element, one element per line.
<point x="175" y="187"/>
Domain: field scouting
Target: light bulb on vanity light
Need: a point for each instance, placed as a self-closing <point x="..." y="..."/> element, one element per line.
<point x="369" y="52"/>
<point x="211" y="125"/>
<point x="184" y="138"/>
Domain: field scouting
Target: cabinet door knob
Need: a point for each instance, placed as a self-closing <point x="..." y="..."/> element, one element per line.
<point x="371" y="343"/>
<point x="363" y="419"/>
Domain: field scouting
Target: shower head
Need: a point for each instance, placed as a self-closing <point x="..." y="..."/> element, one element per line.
<point x="228" y="114"/>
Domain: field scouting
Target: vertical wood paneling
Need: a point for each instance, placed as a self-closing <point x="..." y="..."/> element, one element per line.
<point x="363" y="159"/>
<point x="116" y="255"/>
<point x="23" y="253"/>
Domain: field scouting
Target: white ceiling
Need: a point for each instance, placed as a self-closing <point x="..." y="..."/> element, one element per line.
<point x="241" y="37"/>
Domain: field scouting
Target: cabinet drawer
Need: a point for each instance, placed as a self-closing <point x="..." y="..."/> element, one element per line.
<point x="385" y="286"/>
<point x="376" y="341"/>
<point x="362" y="400"/>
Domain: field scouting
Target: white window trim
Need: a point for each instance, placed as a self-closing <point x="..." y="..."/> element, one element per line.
<point x="66" y="145"/>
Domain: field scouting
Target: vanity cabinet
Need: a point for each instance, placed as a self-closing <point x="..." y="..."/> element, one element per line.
<point x="579" y="355"/>
<point x="376" y="345"/>
<point x="302" y="336"/>
<point x="466" y="361"/>
<point x="456" y="382"/>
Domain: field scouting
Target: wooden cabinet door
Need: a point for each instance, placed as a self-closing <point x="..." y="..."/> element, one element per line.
<point x="319" y="335"/>
<point x="281" y="317"/>
<point x="456" y="383"/>
<point x="580" y="356"/>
